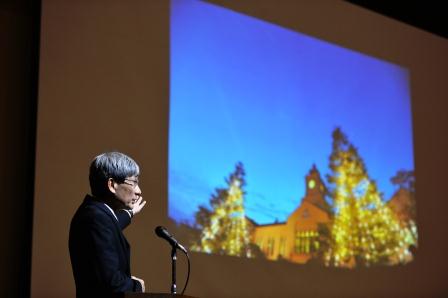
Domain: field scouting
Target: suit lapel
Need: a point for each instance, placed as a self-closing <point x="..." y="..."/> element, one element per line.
<point x="123" y="241"/>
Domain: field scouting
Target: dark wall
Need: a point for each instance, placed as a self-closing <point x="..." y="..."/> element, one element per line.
<point x="19" y="38"/>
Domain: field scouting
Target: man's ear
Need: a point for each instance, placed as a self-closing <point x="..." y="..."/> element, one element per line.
<point x="111" y="185"/>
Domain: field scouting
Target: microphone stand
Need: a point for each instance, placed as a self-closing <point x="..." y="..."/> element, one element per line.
<point x="173" y="270"/>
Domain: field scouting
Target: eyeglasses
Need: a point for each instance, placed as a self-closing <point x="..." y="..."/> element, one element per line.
<point x="131" y="182"/>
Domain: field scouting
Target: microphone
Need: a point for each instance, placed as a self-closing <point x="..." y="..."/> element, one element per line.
<point x="163" y="233"/>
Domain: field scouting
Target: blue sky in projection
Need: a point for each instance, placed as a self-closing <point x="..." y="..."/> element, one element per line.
<point x="246" y="90"/>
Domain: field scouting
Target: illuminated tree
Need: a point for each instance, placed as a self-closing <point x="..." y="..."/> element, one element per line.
<point x="364" y="231"/>
<point x="225" y="229"/>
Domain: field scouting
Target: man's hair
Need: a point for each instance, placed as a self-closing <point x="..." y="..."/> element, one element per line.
<point x="115" y="165"/>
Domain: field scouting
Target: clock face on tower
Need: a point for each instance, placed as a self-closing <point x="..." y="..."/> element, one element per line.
<point x="311" y="184"/>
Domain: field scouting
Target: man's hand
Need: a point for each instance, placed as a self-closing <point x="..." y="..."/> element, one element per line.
<point x="141" y="281"/>
<point x="138" y="205"/>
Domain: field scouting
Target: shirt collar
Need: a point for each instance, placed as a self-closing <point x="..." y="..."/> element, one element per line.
<point x="111" y="211"/>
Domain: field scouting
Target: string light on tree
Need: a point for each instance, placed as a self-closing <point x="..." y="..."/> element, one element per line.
<point x="225" y="229"/>
<point x="365" y="231"/>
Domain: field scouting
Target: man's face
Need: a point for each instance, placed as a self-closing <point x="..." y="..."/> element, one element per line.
<point x="128" y="191"/>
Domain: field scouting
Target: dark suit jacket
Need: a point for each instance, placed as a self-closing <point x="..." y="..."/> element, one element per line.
<point x="99" y="252"/>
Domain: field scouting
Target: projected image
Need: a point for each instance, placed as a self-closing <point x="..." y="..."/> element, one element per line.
<point x="286" y="147"/>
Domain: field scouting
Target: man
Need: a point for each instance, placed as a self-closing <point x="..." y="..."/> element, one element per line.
<point x="99" y="252"/>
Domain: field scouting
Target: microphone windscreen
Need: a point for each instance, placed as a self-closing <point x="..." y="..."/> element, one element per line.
<point x="161" y="231"/>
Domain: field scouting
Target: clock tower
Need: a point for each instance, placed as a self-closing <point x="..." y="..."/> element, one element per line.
<point x="315" y="189"/>
<point x="297" y="239"/>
